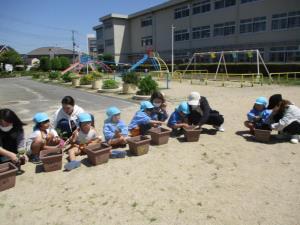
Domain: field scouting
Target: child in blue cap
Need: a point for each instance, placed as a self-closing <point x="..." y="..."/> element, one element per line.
<point x="142" y="122"/>
<point x="258" y="115"/>
<point x="179" y="119"/>
<point x="115" y="130"/>
<point x="43" y="137"/>
<point x="80" y="139"/>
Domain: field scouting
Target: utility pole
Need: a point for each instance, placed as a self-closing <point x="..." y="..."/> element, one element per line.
<point x="172" y="56"/>
<point x="73" y="40"/>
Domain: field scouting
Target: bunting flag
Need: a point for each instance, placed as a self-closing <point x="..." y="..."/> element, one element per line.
<point x="213" y="55"/>
<point x="249" y="54"/>
<point x="234" y="55"/>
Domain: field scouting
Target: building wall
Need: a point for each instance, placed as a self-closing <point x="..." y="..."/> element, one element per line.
<point x="164" y="18"/>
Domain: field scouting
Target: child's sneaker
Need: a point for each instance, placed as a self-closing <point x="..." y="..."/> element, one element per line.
<point x="117" y="154"/>
<point x="72" y="165"/>
<point x="295" y="139"/>
<point x="219" y="128"/>
<point x="35" y="159"/>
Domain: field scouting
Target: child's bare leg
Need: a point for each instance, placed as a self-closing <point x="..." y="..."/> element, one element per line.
<point x="249" y="125"/>
<point x="73" y="152"/>
<point x="37" y="145"/>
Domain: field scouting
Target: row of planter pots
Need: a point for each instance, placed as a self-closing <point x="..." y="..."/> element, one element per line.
<point x="97" y="84"/>
<point x="97" y="154"/>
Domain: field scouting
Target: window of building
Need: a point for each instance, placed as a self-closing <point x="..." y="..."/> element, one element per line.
<point x="100" y="48"/>
<point x="181" y="12"/>
<point x="146" y="22"/>
<point x="285" y="54"/>
<point x="181" y="35"/>
<point x="201" y="7"/>
<point x="201" y="32"/>
<point x="286" y="20"/>
<point x="109" y="42"/>
<point x="146" y="41"/>
<point x="107" y="25"/>
<point x="224" y="29"/>
<point x="246" y="1"/>
<point x="99" y="33"/>
<point x="219" y="4"/>
<point x="256" y="24"/>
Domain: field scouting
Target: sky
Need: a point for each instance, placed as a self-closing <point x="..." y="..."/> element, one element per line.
<point x="29" y="24"/>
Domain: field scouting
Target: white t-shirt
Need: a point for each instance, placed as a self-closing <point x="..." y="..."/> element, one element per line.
<point x="60" y="114"/>
<point x="35" y="134"/>
<point x="83" y="138"/>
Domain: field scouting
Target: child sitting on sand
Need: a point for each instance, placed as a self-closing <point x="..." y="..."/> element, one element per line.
<point x="43" y="137"/>
<point x="142" y="122"/>
<point x="115" y="130"/>
<point x="257" y="117"/>
<point x="80" y="139"/>
<point x="179" y="119"/>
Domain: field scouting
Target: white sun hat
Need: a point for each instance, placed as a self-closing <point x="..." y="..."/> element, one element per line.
<point x="193" y="98"/>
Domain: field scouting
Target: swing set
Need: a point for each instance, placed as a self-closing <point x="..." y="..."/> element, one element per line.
<point x="254" y="77"/>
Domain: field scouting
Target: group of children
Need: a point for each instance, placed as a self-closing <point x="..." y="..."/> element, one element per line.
<point x="277" y="114"/>
<point x="153" y="113"/>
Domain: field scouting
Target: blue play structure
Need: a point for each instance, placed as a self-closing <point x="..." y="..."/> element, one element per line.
<point x="140" y="62"/>
<point x="157" y="62"/>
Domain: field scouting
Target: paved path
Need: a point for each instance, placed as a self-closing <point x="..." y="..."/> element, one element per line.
<point x="27" y="97"/>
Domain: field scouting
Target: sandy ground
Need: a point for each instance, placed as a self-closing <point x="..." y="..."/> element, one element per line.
<point x="222" y="179"/>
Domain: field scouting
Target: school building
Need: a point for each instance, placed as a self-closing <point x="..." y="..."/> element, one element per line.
<point x="272" y="26"/>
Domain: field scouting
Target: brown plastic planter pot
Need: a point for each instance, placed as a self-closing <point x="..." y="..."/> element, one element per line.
<point x="191" y="134"/>
<point x="139" y="145"/>
<point x="159" y="135"/>
<point x="8" y="173"/>
<point x="52" y="159"/>
<point x="98" y="153"/>
<point x="262" y="135"/>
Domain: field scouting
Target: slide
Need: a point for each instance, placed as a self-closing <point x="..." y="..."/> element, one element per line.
<point x="92" y="67"/>
<point x="104" y="66"/>
<point x="138" y="63"/>
<point x="70" y="68"/>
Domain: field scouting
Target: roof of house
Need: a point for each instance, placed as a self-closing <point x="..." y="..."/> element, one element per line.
<point x="5" y="48"/>
<point x="47" y="50"/>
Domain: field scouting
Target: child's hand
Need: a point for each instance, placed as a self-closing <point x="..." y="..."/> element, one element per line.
<point x="185" y="125"/>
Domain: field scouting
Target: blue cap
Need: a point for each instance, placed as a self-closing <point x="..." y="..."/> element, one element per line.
<point x="184" y="107"/>
<point x="84" y="117"/>
<point x="111" y="111"/>
<point x="40" y="117"/>
<point x="261" y="101"/>
<point x="146" y="105"/>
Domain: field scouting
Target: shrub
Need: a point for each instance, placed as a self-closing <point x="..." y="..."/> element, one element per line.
<point x="35" y="75"/>
<point x="55" y="63"/>
<point x="131" y="78"/>
<point x="45" y="64"/>
<point x="147" y="86"/>
<point x="54" y="75"/>
<point x="64" y="62"/>
<point x="67" y="77"/>
<point x="96" y="75"/>
<point x="110" y="84"/>
<point x="86" y="80"/>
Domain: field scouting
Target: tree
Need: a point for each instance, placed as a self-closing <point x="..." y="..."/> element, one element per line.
<point x="10" y="57"/>
<point x="108" y="57"/>
<point x="64" y="62"/>
<point x="45" y="63"/>
<point x="55" y="64"/>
